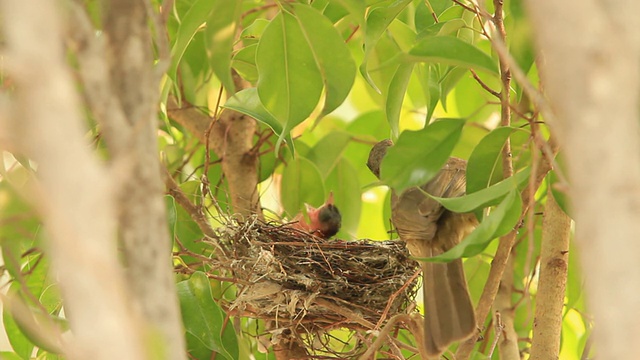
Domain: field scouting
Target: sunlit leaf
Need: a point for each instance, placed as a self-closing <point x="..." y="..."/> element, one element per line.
<point x="5" y="355"/>
<point x="395" y="96"/>
<point x="452" y="51"/>
<point x="220" y="35"/>
<point x="19" y="342"/>
<point x="377" y="22"/>
<point x="191" y="23"/>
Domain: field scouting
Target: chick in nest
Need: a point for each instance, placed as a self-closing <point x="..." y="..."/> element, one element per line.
<point x="324" y="221"/>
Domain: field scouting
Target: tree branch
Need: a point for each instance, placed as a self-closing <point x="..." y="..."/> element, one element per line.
<point x="554" y="264"/>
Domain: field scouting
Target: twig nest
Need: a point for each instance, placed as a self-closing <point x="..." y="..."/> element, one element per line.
<point x="295" y="278"/>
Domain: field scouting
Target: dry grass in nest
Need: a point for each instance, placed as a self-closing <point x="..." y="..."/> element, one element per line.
<point x="303" y="284"/>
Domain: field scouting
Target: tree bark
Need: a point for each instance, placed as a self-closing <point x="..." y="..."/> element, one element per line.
<point x="121" y="85"/>
<point x="508" y="341"/>
<point x="554" y="263"/>
<point x="74" y="193"/>
<point x="591" y="52"/>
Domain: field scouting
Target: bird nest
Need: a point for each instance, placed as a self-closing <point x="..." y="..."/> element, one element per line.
<point x="302" y="283"/>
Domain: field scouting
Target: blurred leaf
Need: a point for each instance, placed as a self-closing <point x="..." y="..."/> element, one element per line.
<point x="5" y="355"/>
<point x="449" y="81"/>
<point x="452" y="51"/>
<point x="204" y="319"/>
<point x="252" y="33"/>
<point x="485" y="163"/>
<point x="301" y="183"/>
<point x="397" y="90"/>
<point x="485" y="197"/>
<point x="431" y="88"/>
<point x="185" y="229"/>
<point x="343" y="182"/>
<point x="558" y="194"/>
<point x="19" y="342"/>
<point x="377" y="22"/>
<point x="500" y="221"/>
<point x="451" y="27"/>
<point x="417" y="156"/>
<point x="29" y="322"/>
<point x="331" y="55"/>
<point x="268" y="161"/>
<point x="191" y="22"/>
<point x="356" y="9"/>
<point x="328" y="151"/>
<point x="220" y="34"/>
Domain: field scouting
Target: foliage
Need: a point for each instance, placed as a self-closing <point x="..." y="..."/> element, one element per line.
<point x="327" y="80"/>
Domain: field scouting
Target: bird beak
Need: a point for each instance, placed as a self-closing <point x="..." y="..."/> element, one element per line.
<point x="309" y="208"/>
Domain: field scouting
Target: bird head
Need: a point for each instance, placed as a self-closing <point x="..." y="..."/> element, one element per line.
<point x="377" y="153"/>
<point x="326" y="220"/>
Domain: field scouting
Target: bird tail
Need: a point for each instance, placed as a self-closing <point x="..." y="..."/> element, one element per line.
<point x="449" y="313"/>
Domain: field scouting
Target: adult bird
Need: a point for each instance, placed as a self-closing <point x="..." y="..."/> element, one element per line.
<point x="429" y="229"/>
<point x="324" y="221"/>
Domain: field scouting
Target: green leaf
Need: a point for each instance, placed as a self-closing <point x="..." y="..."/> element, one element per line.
<point x="559" y="195"/>
<point x="189" y="26"/>
<point x="377" y="23"/>
<point x="5" y="355"/>
<point x="331" y="54"/>
<point x="485" y="197"/>
<point x="452" y="51"/>
<point x="301" y="183"/>
<point x="501" y="221"/>
<point x="395" y="96"/>
<point x="220" y="35"/>
<point x="244" y="61"/>
<point x="19" y="342"/>
<point x="485" y="163"/>
<point x="26" y="324"/>
<point x="356" y="9"/>
<point x="343" y="182"/>
<point x="186" y="230"/>
<point x="247" y="102"/>
<point x="204" y="319"/>
<point x="417" y="156"/>
<point x="289" y="83"/>
<point x="429" y="80"/>
<point x="328" y="151"/>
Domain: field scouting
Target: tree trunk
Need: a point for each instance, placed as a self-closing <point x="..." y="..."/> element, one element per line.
<point x="590" y="56"/>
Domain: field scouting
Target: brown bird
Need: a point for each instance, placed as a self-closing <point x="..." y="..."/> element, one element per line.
<point x="324" y="221"/>
<point x="428" y="230"/>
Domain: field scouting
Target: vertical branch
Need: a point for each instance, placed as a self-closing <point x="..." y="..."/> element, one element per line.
<point x="143" y="220"/>
<point x="508" y="345"/>
<point x="554" y="264"/>
<point x="75" y="194"/>
<point x="590" y="72"/>
<point x="508" y="338"/>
